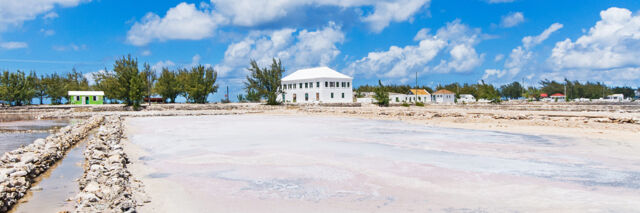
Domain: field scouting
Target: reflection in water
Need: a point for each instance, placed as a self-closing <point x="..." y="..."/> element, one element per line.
<point x="19" y="133"/>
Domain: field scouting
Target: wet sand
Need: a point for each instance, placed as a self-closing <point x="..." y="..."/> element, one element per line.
<point x="288" y="163"/>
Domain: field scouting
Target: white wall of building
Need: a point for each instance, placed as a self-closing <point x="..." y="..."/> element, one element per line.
<point x="444" y="98"/>
<point x="400" y="98"/>
<point x="318" y="90"/>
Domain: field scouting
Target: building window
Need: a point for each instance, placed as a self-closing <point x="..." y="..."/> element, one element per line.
<point x="343" y="84"/>
<point x="332" y="84"/>
<point x="77" y="98"/>
<point x="337" y="84"/>
<point x="326" y="84"/>
<point x="397" y="100"/>
<point x="348" y="84"/>
<point x="300" y="85"/>
<point x="306" y="97"/>
<point x="331" y="95"/>
<point x="306" y="85"/>
<point x="310" y="84"/>
<point x="343" y="95"/>
<point x="318" y="84"/>
<point x="94" y="98"/>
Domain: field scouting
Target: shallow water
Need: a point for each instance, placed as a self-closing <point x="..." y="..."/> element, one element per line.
<point x="56" y="185"/>
<point x="250" y="163"/>
<point x="17" y="133"/>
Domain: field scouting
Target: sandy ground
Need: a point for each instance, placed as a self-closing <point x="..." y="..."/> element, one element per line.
<point x="312" y="163"/>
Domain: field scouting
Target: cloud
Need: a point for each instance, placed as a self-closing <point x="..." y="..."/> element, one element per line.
<point x="384" y="11"/>
<point x="162" y="64"/>
<point x="13" y="45"/>
<point x="50" y="15"/>
<point x="184" y="21"/>
<point x="612" y="43"/>
<point x="530" y="41"/>
<point x="14" y="13"/>
<point x="521" y="57"/>
<point x="187" y="22"/>
<point x="48" y="32"/>
<point x="296" y="48"/>
<point x="607" y="52"/>
<point x="498" y="57"/>
<point x="145" y="53"/>
<point x="392" y="11"/>
<point x="512" y="19"/>
<point x="455" y="41"/>
<point x="70" y="47"/>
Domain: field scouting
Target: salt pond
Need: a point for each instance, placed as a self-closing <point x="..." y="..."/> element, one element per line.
<point x="16" y="133"/>
<point x="253" y="163"/>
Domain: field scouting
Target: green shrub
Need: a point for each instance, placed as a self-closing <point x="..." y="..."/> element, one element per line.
<point x="420" y="104"/>
<point x="405" y="104"/>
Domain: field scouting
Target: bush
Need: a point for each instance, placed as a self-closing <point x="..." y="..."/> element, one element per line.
<point x="405" y="104"/>
<point x="420" y="104"/>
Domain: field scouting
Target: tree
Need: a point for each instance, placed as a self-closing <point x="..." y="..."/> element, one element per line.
<point x="106" y="81"/>
<point x="252" y="96"/>
<point x="149" y="77"/>
<point x="487" y="91"/>
<point x="55" y="88"/>
<point x="381" y="95"/>
<point x="167" y="86"/>
<point x="266" y="81"/>
<point x="198" y="83"/>
<point x="127" y="78"/>
<point x="241" y="98"/>
<point x="40" y="87"/>
<point x="513" y="90"/>
<point x="17" y="88"/>
<point x="626" y="91"/>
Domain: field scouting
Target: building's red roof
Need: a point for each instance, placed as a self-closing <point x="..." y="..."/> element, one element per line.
<point x="544" y="95"/>
<point x="557" y="95"/>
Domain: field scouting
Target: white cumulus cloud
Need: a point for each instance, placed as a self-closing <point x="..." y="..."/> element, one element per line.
<point x="184" y="21"/>
<point x="454" y="43"/>
<point x="13" y="12"/>
<point x="296" y="48"/>
<point x="521" y="56"/>
<point x="512" y="19"/>
<point x="13" y="45"/>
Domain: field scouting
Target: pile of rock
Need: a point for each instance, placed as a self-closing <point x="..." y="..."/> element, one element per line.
<point x="107" y="185"/>
<point x="20" y="167"/>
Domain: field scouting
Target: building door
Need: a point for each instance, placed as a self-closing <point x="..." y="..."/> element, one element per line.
<point x="294" y="98"/>
<point x="306" y="97"/>
<point x="86" y="100"/>
<point x="83" y="100"/>
<point x="318" y="94"/>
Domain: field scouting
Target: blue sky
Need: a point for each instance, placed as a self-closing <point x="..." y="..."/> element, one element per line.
<point x="444" y="41"/>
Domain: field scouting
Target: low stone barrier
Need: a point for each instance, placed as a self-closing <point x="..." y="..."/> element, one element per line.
<point x="107" y="185"/>
<point x="20" y="167"/>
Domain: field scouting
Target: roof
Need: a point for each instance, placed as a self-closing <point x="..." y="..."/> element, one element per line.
<point x="314" y="73"/>
<point x="443" y="92"/>
<point x="557" y="95"/>
<point x="616" y="95"/>
<point x="418" y="92"/>
<point x="544" y="95"/>
<point x="86" y="93"/>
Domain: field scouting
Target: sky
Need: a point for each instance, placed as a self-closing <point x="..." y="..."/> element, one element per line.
<point x="440" y="41"/>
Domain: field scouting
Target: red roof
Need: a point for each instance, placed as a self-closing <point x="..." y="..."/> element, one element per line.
<point x="557" y="95"/>
<point x="544" y="95"/>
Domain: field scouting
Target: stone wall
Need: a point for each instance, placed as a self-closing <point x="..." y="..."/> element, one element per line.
<point x="20" y="167"/>
<point x="107" y="185"/>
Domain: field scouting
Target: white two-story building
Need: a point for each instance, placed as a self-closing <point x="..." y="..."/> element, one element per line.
<point x="317" y="85"/>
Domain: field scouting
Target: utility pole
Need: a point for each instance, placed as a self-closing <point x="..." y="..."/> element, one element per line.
<point x="416" y="93"/>
<point x="565" y="91"/>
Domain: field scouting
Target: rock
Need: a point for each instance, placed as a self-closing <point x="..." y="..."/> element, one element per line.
<point x="18" y="174"/>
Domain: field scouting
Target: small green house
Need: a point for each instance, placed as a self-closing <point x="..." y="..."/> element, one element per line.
<point x="86" y="97"/>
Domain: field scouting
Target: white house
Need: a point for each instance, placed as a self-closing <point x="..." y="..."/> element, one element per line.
<point x="615" y="98"/>
<point x="467" y="98"/>
<point x="414" y="95"/>
<point x="444" y="96"/>
<point x="317" y="85"/>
